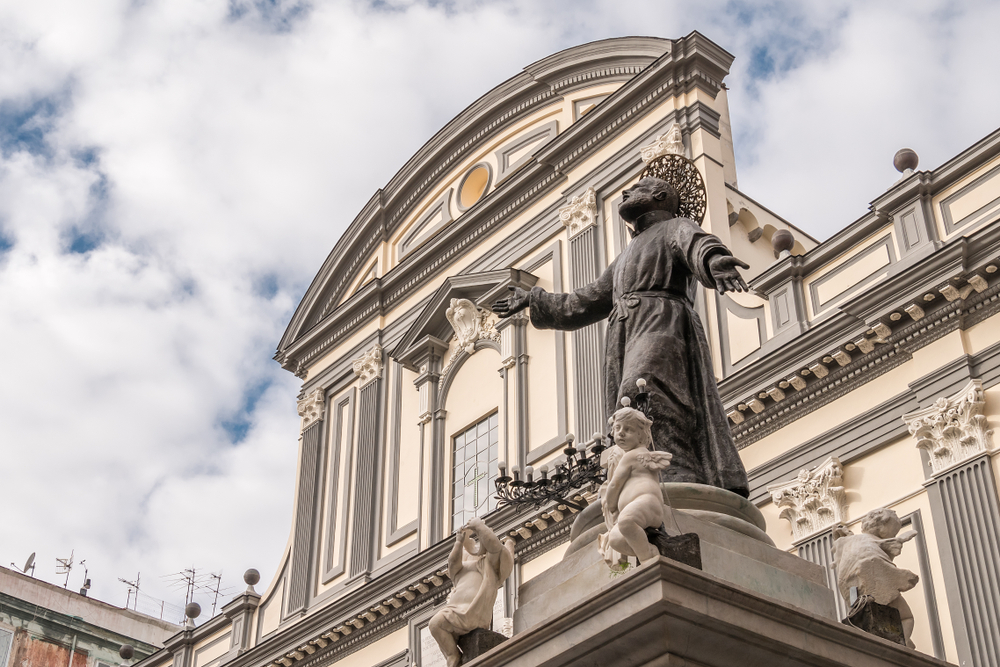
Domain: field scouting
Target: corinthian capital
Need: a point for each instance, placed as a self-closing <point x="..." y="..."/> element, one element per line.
<point x="954" y="429"/>
<point x="580" y="212"/>
<point x="311" y="408"/>
<point x="369" y="366"/>
<point x="814" y="500"/>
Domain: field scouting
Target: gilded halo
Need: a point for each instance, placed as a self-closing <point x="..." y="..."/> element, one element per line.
<point x="682" y="174"/>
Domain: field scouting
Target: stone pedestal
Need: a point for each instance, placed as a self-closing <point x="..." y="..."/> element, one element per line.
<point x="478" y="642"/>
<point x="664" y="613"/>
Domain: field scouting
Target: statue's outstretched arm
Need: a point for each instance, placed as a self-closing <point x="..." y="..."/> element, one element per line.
<point x="455" y="557"/>
<point x="574" y="310"/>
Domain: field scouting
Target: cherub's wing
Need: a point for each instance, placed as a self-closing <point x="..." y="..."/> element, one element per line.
<point x="654" y="460"/>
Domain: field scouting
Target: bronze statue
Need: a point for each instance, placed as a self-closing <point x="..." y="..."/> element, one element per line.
<point x="654" y="333"/>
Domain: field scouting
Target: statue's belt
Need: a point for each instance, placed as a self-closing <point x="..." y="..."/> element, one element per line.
<point x="633" y="299"/>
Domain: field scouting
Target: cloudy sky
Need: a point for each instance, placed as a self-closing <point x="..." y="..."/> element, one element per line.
<point x="173" y="172"/>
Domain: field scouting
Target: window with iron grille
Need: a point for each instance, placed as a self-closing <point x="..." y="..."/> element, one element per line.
<point x="476" y="451"/>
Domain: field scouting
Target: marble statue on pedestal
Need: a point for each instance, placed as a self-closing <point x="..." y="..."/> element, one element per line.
<point x="476" y="572"/>
<point x="631" y="498"/>
<point x="647" y="297"/>
<point x="865" y="561"/>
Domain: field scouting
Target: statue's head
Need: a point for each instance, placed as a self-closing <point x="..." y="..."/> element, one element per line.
<point x="631" y="429"/>
<point x="882" y="523"/>
<point x="649" y="194"/>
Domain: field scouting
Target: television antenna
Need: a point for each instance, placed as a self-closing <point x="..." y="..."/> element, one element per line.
<point x="65" y="566"/>
<point x="28" y="565"/>
<point x="132" y="585"/>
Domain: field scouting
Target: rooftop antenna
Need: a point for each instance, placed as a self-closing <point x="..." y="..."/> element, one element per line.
<point x="131" y="585"/>
<point x="65" y="566"/>
<point x="86" y="578"/>
<point x="28" y="565"/>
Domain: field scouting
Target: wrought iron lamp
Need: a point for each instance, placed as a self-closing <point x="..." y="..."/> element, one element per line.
<point x="579" y="469"/>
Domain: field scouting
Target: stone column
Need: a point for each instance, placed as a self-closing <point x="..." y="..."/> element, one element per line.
<point x="368" y="370"/>
<point x="427" y="357"/>
<point x="813" y="503"/>
<point x="312" y="409"/>
<point x="240" y="613"/>
<point x="954" y="435"/>
<point x="580" y="219"/>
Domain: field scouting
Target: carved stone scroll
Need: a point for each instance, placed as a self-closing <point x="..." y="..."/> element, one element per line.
<point x="580" y="212"/>
<point x="471" y="324"/>
<point x="369" y="366"/>
<point x="311" y="408"/>
<point x="814" y="500"/>
<point x="954" y="429"/>
<point x="671" y="143"/>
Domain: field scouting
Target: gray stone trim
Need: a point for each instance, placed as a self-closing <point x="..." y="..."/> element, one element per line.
<point x="417" y="622"/>
<point x="967" y="522"/>
<point x="588" y="343"/>
<point x="881" y="424"/>
<point x="418" y="234"/>
<point x="366" y="488"/>
<point x="915" y="228"/>
<point x="580" y="103"/>
<point x="521" y="243"/>
<point x="915" y="521"/>
<point x="461" y="184"/>
<point x="386" y="563"/>
<point x="212" y="644"/>
<point x="724" y="307"/>
<point x="819" y="549"/>
<point x="401" y="659"/>
<point x="335" y="565"/>
<point x="394" y="532"/>
<point x="884" y="242"/>
<point x="283" y="577"/>
<point x="339" y="374"/>
<point x="302" y="540"/>
<point x="537" y="135"/>
<point x="544" y="541"/>
<point x="554" y="254"/>
<point x="992" y="207"/>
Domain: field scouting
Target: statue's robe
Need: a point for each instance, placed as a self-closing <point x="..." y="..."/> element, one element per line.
<point x="479" y="612"/>
<point x="654" y="333"/>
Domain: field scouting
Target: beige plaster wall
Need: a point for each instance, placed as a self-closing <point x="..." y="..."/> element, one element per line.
<point x="203" y="653"/>
<point x="969" y="202"/>
<point x="346" y="473"/>
<point x="379" y="651"/>
<point x="271" y="610"/>
<point x="535" y="567"/>
<point x="408" y="476"/>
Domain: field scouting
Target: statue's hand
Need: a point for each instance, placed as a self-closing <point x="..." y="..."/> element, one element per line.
<point x="514" y="303"/>
<point x="723" y="270"/>
<point x="461" y="534"/>
<point x="475" y="524"/>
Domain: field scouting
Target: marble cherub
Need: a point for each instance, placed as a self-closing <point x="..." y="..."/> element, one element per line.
<point x="865" y="561"/>
<point x="632" y="500"/>
<point x="476" y="572"/>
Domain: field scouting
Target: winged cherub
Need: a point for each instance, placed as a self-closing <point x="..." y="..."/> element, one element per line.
<point x="633" y="500"/>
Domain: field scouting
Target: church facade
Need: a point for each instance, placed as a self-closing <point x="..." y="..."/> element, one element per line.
<point x="858" y="373"/>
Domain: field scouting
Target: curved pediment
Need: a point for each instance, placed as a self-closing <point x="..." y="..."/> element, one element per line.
<point x="511" y="146"/>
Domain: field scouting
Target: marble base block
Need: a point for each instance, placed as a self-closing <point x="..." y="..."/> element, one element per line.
<point x="478" y="642"/>
<point x="665" y="614"/>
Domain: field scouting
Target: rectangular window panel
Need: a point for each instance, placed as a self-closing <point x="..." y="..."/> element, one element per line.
<point x="6" y="639"/>
<point x="475" y="469"/>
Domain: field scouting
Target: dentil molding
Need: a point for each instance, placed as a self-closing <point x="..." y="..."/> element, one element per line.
<point x="814" y="500"/>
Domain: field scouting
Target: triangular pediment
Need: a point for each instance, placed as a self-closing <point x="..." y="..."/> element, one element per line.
<point x="480" y="288"/>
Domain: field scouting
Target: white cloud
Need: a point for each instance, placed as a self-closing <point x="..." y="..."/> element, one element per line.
<point x="214" y="151"/>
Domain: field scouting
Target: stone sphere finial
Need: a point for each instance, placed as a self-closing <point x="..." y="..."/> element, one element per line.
<point x="192" y="610"/>
<point x="782" y="241"/>
<point x="126" y="651"/>
<point x="251" y="577"/>
<point x="905" y="158"/>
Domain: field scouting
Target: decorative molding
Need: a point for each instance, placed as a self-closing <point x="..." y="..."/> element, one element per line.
<point x="470" y="324"/>
<point x="954" y="429"/>
<point x="312" y="408"/>
<point x="670" y="143"/>
<point x="369" y="366"/>
<point x="814" y="500"/>
<point x="580" y="213"/>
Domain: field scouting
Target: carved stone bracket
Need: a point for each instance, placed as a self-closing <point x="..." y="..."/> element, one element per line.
<point x="670" y="143"/>
<point x="311" y="408"/>
<point x="814" y="500"/>
<point x="954" y="429"/>
<point x="369" y="366"/>
<point x="471" y="324"/>
<point x="580" y="212"/>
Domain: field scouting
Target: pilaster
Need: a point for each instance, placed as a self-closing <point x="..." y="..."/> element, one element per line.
<point x="962" y="491"/>
<point x="580" y="219"/>
<point x="312" y="410"/>
<point x="814" y="500"/>
<point x="368" y="370"/>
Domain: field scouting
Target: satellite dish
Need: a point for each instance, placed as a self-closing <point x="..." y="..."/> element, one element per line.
<point x="28" y="563"/>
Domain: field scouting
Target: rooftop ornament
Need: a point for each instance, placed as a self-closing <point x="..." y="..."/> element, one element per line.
<point x="581" y="468"/>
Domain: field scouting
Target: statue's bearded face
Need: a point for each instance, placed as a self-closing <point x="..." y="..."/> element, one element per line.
<point x="649" y="194"/>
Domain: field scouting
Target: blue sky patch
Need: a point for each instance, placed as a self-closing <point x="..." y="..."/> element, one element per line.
<point x="23" y="125"/>
<point x="274" y="15"/>
<point x="239" y="424"/>
<point x="266" y="286"/>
